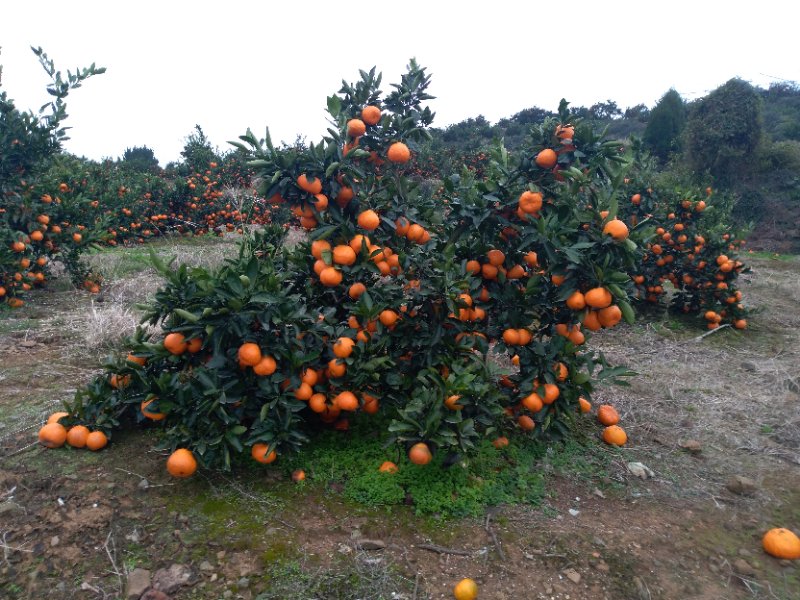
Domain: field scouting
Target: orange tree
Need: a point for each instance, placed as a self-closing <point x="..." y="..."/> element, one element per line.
<point x="689" y="245"/>
<point x="399" y="302"/>
<point x="31" y="233"/>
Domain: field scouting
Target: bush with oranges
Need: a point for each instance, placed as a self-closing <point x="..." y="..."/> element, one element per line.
<point x="690" y="249"/>
<point x="460" y="316"/>
<point x="30" y="229"/>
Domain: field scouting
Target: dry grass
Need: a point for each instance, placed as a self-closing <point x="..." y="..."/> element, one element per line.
<point x="736" y="393"/>
<point x="355" y="577"/>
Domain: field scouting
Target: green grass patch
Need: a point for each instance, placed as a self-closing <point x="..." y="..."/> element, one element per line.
<point x="447" y="487"/>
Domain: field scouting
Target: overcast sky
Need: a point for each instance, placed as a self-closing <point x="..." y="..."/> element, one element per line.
<point x="232" y="65"/>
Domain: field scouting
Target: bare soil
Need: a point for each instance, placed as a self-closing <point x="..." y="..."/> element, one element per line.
<point x="74" y="524"/>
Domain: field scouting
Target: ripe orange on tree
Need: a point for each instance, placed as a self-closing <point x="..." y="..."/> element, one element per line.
<point x="175" y="343"/>
<point x="259" y="454"/>
<point x="547" y="158"/>
<point x="181" y="463"/>
<point x="398" y="153"/>
<point x="420" y="454"/>
<point x="371" y="115"/>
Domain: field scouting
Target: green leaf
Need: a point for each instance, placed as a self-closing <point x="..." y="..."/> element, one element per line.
<point x="627" y="311"/>
<point x="186" y="315"/>
<point x="334" y="106"/>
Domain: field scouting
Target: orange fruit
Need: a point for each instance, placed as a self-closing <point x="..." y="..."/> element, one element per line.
<point x="551" y="393"/>
<point x="388" y="317"/>
<point x="500" y="442"/>
<point x="546" y="159"/>
<point x="266" y="366"/>
<point x="53" y="435"/>
<point x="607" y="415"/>
<point x="473" y="266"/>
<point x="616" y="229"/>
<point x="609" y="316"/>
<point x="317" y="248"/>
<point x="357" y="242"/>
<point x="311" y="185"/>
<point x="343" y="347"/>
<point x="96" y="440"/>
<point x="356" y="128"/>
<point x="402" y="226"/>
<point x="530" y="202"/>
<point x="356" y="290"/>
<point x="420" y="454"/>
<point x="371" y="404"/>
<point x="153" y="416"/>
<point x="496" y="257"/>
<point x="451" y="402"/>
<point x="181" y="463"/>
<point x="388" y="467"/>
<point x="310" y="376"/>
<point x="781" y="543"/>
<point x="303" y="392"/>
<point x="259" y="454"/>
<point x="175" y="343"/>
<point x="398" y="153"/>
<point x="466" y="589"/>
<point x="344" y="255"/>
<point x="318" y="403"/>
<point x="346" y="401"/>
<point x="76" y="436"/>
<point x="533" y="402"/>
<point x="615" y="435"/>
<point x="56" y="417"/>
<point x="526" y="423"/>
<point x="369" y="220"/>
<point x="576" y="301"/>
<point x="371" y="115"/>
<point x="249" y="354"/>
<point x="584" y="405"/>
<point x="337" y="368"/>
<point x="511" y="337"/>
<point x="598" y="297"/>
<point x="139" y="360"/>
<point x="330" y="277"/>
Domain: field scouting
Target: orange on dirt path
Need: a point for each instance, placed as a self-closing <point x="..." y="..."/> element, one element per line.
<point x="76" y="436"/>
<point x="53" y="435"/>
<point x="96" y="440"/>
<point x="466" y="589"/>
<point x="781" y="543"/>
<point x="615" y="435"/>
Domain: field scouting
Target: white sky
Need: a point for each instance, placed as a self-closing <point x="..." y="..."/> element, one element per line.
<point x="229" y="65"/>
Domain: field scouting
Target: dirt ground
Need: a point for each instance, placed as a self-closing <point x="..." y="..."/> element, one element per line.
<point x="701" y="412"/>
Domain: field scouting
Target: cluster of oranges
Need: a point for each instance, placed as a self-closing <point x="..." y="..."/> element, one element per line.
<point x="694" y="254"/>
<point x="393" y="305"/>
<point x="54" y="435"/>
